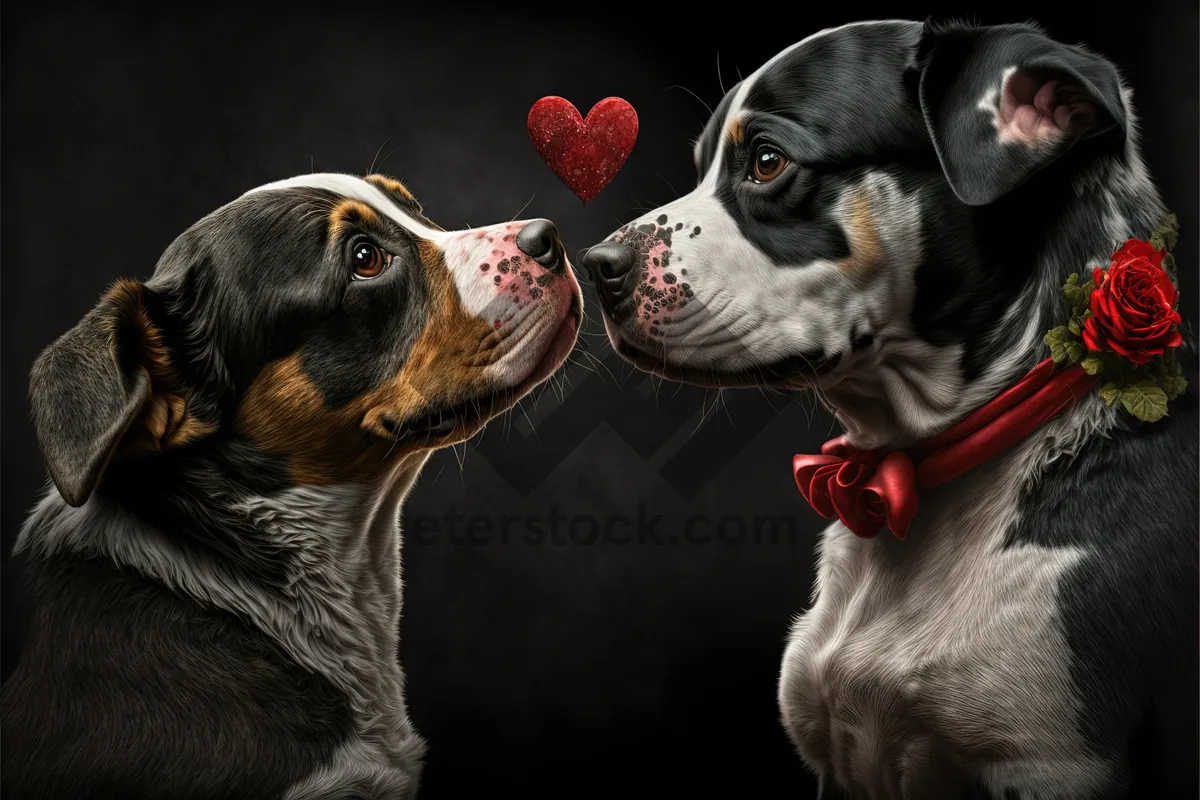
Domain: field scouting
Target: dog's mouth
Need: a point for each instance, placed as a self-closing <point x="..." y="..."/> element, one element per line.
<point x="793" y="372"/>
<point x="441" y="422"/>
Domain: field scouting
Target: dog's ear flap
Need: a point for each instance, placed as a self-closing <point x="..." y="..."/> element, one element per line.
<point x="105" y="387"/>
<point x="1003" y="102"/>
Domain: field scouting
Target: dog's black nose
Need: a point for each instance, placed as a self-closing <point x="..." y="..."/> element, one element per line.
<point x="539" y="240"/>
<point x="611" y="268"/>
<point x="608" y="260"/>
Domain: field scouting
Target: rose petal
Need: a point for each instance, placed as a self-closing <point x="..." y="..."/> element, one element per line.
<point x="1122" y="350"/>
<point x="1139" y="248"/>
<point x="1092" y="336"/>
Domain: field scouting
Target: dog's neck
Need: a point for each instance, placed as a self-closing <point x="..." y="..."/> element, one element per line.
<point x="329" y="594"/>
<point x="908" y="389"/>
<point x="342" y="545"/>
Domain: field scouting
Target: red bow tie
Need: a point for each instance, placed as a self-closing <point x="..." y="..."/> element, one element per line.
<point x="867" y="488"/>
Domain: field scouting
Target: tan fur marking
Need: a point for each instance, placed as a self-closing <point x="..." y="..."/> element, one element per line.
<point x="866" y="252"/>
<point x="347" y="214"/>
<point x="284" y="412"/>
<point x="394" y="187"/>
<point x="736" y="131"/>
<point x="164" y="421"/>
<point x="389" y="184"/>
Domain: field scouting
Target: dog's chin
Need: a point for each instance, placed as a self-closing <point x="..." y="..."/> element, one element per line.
<point x="556" y="349"/>
<point x="795" y="372"/>
<point x="442" y="426"/>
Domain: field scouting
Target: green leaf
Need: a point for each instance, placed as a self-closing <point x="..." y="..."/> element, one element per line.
<point x="1110" y="392"/>
<point x="1172" y="385"/>
<point x="1074" y="327"/>
<point x="1093" y="364"/>
<point x="1145" y="400"/>
<point x="1057" y="339"/>
<point x="1072" y="279"/>
<point x="1056" y="335"/>
<point x="1074" y="350"/>
<point x="1169" y="265"/>
<point x="1167" y="234"/>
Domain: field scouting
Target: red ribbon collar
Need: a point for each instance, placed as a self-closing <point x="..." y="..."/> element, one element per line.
<point x="866" y="489"/>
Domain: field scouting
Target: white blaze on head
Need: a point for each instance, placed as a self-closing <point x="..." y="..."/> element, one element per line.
<point x="463" y="251"/>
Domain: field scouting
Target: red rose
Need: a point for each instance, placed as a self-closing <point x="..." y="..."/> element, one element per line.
<point x="1133" y="305"/>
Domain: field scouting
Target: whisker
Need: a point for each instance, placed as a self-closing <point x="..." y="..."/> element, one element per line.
<point x="601" y="364"/>
<point x="371" y="169"/>
<point x="527" y="202"/>
<point x="668" y="183"/>
<point x="729" y="416"/>
<point x="532" y="427"/>
<point x="386" y="156"/>
<point x="689" y="91"/>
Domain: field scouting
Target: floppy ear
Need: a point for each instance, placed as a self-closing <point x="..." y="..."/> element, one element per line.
<point x="107" y="387"/>
<point x="1003" y="102"/>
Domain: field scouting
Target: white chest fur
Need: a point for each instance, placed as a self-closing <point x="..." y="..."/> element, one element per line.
<point x="928" y="665"/>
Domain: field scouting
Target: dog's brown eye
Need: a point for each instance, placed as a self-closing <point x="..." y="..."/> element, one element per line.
<point x="768" y="163"/>
<point x="369" y="261"/>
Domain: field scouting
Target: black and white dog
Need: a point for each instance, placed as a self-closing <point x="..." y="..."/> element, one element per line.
<point x="885" y="215"/>
<point x="217" y="567"/>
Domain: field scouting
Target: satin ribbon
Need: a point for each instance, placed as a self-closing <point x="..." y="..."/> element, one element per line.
<point x="867" y="489"/>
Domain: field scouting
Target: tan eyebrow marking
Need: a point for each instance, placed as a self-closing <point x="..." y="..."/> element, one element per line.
<point x="390" y="185"/>
<point x="735" y="131"/>
<point x="349" y="213"/>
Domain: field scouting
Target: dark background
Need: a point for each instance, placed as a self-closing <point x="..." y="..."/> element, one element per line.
<point x="552" y="669"/>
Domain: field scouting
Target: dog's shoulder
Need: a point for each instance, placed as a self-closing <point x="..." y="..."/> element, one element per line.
<point x="1128" y="609"/>
<point x="127" y="687"/>
<point x="1125" y="495"/>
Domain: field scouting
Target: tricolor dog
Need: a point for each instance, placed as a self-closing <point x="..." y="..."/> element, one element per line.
<point x="216" y="567"/>
<point x="885" y="215"/>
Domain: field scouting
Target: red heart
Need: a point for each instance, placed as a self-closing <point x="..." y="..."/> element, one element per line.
<point x="584" y="153"/>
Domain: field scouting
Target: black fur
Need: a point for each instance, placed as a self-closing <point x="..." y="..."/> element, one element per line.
<point x="825" y="134"/>
<point x="127" y="690"/>
<point x="1003" y="221"/>
<point x="245" y="289"/>
<point x="959" y="65"/>
<point x="892" y="98"/>
<point x="1129" y="609"/>
<point x="130" y="689"/>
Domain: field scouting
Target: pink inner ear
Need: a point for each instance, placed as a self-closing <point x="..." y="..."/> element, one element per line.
<point x="1032" y="112"/>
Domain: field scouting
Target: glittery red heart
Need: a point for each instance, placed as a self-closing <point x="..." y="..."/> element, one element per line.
<point x="584" y="153"/>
